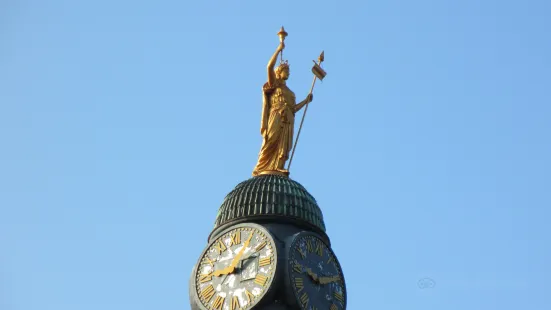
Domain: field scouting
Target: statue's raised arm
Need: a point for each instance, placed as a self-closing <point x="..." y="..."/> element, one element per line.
<point x="271" y="64"/>
<point x="266" y="90"/>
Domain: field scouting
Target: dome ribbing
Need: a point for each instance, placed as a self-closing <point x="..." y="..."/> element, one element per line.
<point x="267" y="197"/>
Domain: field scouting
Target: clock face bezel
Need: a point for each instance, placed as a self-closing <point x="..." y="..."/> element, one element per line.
<point x="307" y="281"/>
<point x="260" y="292"/>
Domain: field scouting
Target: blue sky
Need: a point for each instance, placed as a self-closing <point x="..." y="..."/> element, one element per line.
<point x="123" y="124"/>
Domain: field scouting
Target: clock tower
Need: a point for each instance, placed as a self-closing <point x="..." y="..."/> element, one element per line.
<point x="269" y="249"/>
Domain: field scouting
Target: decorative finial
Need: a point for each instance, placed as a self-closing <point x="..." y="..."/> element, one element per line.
<point x="282" y="34"/>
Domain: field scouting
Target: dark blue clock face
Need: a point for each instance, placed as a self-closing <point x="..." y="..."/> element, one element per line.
<point x="315" y="275"/>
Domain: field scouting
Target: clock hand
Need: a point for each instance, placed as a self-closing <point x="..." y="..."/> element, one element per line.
<point x="312" y="275"/>
<point x="235" y="260"/>
<point x="255" y="250"/>
<point x="238" y="256"/>
<point x="327" y="280"/>
<point x="224" y="271"/>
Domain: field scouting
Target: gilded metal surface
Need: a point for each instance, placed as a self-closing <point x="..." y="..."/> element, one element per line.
<point x="274" y="173"/>
<point x="278" y="116"/>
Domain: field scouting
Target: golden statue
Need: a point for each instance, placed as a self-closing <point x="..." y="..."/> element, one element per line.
<point x="278" y="115"/>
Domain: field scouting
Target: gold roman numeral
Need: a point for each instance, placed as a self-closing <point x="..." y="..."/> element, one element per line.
<point x="304" y="299"/>
<point x="218" y="302"/>
<point x="319" y="248"/>
<point x="207" y="260"/>
<point x="207" y="292"/>
<point x="333" y="307"/>
<point x="205" y="278"/>
<point x="339" y="296"/>
<point x="250" y="296"/>
<point x="260" y="246"/>
<point x="260" y="279"/>
<point x="297" y="267"/>
<point x="235" y="303"/>
<point x="220" y="246"/>
<point x="309" y="246"/>
<point x="331" y="259"/>
<point x="236" y="238"/>
<point x="299" y="284"/>
<point x="302" y="253"/>
<point x="265" y="261"/>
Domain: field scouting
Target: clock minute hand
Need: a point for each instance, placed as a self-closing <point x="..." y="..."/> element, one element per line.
<point x="235" y="260"/>
<point x="238" y="256"/>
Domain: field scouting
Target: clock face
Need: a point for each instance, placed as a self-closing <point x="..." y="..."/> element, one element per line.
<point x="315" y="275"/>
<point x="237" y="269"/>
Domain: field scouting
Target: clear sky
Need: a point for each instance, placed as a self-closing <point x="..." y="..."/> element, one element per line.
<point x="123" y="124"/>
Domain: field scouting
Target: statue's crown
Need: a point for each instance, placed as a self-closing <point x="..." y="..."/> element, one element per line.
<point x="284" y="64"/>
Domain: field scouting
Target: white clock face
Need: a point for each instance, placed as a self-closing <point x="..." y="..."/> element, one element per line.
<point x="236" y="270"/>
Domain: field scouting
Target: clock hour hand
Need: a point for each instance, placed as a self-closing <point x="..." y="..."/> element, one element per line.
<point x="327" y="280"/>
<point x="224" y="271"/>
<point x="322" y="280"/>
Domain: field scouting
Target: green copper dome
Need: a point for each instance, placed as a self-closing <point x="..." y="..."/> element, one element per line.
<point x="269" y="198"/>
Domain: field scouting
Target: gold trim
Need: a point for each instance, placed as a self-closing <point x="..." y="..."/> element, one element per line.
<point x="274" y="172"/>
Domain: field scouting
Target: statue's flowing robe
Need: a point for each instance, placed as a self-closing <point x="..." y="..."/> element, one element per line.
<point x="277" y="125"/>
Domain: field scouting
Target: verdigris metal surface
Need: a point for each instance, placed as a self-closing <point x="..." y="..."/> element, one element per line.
<point x="269" y="198"/>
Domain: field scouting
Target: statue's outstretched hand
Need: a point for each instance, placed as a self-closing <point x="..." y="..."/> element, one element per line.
<point x="310" y="98"/>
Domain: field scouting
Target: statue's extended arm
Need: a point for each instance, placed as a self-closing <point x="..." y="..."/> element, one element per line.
<point x="301" y="104"/>
<point x="271" y="64"/>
